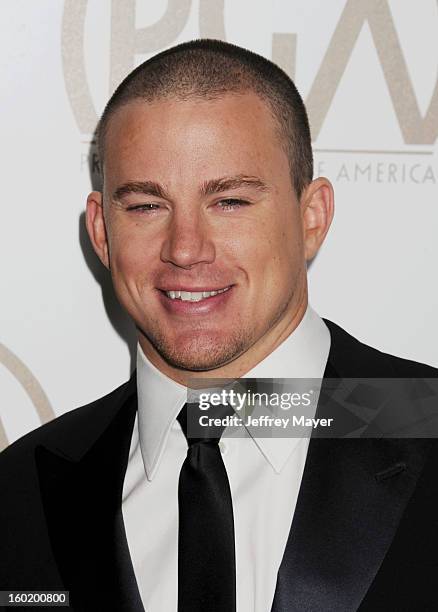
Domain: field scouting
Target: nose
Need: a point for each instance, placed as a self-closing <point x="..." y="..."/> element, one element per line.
<point x="188" y="240"/>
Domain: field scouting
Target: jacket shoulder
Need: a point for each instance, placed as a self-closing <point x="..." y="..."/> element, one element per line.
<point x="70" y="431"/>
<point x="356" y="359"/>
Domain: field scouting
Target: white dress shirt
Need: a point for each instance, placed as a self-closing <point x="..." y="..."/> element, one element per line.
<point x="264" y="474"/>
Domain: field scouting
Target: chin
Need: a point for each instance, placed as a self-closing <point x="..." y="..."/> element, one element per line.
<point x="203" y="352"/>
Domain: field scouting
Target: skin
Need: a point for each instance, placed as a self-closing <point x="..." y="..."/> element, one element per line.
<point x="254" y="235"/>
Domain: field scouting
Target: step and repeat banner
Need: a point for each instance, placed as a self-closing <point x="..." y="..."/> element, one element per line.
<point x="368" y="72"/>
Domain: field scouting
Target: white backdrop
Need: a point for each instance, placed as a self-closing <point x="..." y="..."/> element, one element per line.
<point x="368" y="72"/>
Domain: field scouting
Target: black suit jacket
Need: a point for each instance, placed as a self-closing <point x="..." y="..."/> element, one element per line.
<point x="363" y="537"/>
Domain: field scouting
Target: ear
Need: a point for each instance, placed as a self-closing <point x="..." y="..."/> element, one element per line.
<point x="317" y="206"/>
<point x="96" y="229"/>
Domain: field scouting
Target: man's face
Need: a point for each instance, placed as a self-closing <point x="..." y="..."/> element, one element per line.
<point x="198" y="199"/>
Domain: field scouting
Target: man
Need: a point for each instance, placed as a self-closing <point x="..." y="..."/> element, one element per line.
<point x="206" y="220"/>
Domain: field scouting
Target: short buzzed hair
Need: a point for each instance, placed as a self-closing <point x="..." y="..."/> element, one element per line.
<point x="209" y="69"/>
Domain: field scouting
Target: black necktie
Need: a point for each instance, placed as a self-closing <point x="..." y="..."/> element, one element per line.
<point x="206" y="552"/>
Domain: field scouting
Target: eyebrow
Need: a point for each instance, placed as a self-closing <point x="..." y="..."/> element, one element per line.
<point x="151" y="188"/>
<point x="232" y="182"/>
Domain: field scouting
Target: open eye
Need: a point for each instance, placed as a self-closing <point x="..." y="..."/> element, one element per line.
<point x="231" y="203"/>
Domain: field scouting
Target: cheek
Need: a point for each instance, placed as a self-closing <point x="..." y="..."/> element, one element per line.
<point x="280" y="251"/>
<point x="129" y="259"/>
<point x="129" y="248"/>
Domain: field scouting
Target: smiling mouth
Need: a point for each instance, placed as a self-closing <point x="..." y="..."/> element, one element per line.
<point x="193" y="296"/>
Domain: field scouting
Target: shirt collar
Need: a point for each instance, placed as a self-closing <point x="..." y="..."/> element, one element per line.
<point x="303" y="354"/>
<point x="160" y="399"/>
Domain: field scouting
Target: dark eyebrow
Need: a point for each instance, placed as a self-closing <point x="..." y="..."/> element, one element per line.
<point x="232" y="182"/>
<point x="145" y="187"/>
<point x="151" y="188"/>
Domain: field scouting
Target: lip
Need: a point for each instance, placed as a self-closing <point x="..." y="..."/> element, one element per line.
<point x="207" y="306"/>
<point x="194" y="289"/>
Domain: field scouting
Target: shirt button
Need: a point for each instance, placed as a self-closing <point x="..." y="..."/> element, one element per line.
<point x="223" y="447"/>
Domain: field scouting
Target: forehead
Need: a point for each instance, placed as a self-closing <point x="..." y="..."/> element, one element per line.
<point x="230" y="134"/>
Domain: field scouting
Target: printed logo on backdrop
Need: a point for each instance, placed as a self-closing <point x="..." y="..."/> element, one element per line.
<point x="30" y="384"/>
<point x="409" y="163"/>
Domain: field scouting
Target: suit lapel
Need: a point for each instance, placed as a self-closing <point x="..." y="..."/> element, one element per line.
<point x="82" y="504"/>
<point x="348" y="510"/>
<point x="351" y="500"/>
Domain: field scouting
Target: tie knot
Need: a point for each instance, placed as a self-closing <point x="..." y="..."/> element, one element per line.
<point x="203" y="426"/>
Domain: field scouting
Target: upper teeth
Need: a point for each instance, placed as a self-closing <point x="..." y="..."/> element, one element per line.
<point x="193" y="296"/>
